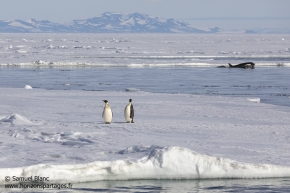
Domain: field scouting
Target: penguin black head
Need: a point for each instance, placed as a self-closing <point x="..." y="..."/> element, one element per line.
<point x="105" y="101"/>
<point x="130" y="100"/>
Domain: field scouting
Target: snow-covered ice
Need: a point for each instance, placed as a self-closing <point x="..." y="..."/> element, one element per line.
<point x="141" y="50"/>
<point x="165" y="163"/>
<point x="60" y="134"/>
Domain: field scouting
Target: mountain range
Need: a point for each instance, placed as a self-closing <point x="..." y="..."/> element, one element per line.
<point x="106" y="23"/>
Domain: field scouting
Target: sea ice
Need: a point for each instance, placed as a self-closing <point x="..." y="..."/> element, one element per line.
<point x="233" y="138"/>
<point x="154" y="49"/>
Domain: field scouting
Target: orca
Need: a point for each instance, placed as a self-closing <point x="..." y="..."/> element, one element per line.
<point x="243" y="65"/>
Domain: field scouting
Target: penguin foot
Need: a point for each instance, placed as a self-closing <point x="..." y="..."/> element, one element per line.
<point x="107" y="123"/>
<point x="128" y="122"/>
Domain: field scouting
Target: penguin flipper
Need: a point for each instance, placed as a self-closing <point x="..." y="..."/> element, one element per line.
<point x="131" y="112"/>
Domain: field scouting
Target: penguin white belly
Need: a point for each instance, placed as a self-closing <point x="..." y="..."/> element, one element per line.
<point x="127" y="113"/>
<point x="107" y="115"/>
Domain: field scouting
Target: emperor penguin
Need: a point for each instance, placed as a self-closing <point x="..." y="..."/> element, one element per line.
<point x="129" y="112"/>
<point x="107" y="113"/>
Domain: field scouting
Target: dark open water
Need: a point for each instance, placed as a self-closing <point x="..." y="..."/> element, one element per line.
<point x="205" y="186"/>
<point x="270" y="84"/>
<point x="174" y="186"/>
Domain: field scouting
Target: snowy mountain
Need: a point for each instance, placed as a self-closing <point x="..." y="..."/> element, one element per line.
<point x="32" y="25"/>
<point x="136" y="23"/>
<point x="106" y="23"/>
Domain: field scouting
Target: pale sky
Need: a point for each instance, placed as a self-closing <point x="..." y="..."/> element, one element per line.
<point x="227" y="14"/>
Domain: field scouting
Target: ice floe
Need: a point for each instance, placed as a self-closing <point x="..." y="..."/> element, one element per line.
<point x="28" y="87"/>
<point x="60" y="134"/>
<point x="256" y="100"/>
<point x="132" y="89"/>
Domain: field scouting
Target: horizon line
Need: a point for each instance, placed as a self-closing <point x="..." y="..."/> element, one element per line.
<point x="236" y="18"/>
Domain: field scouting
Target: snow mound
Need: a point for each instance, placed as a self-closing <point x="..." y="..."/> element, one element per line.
<point x="28" y="87"/>
<point x="162" y="163"/>
<point x="16" y="119"/>
<point x="182" y="163"/>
